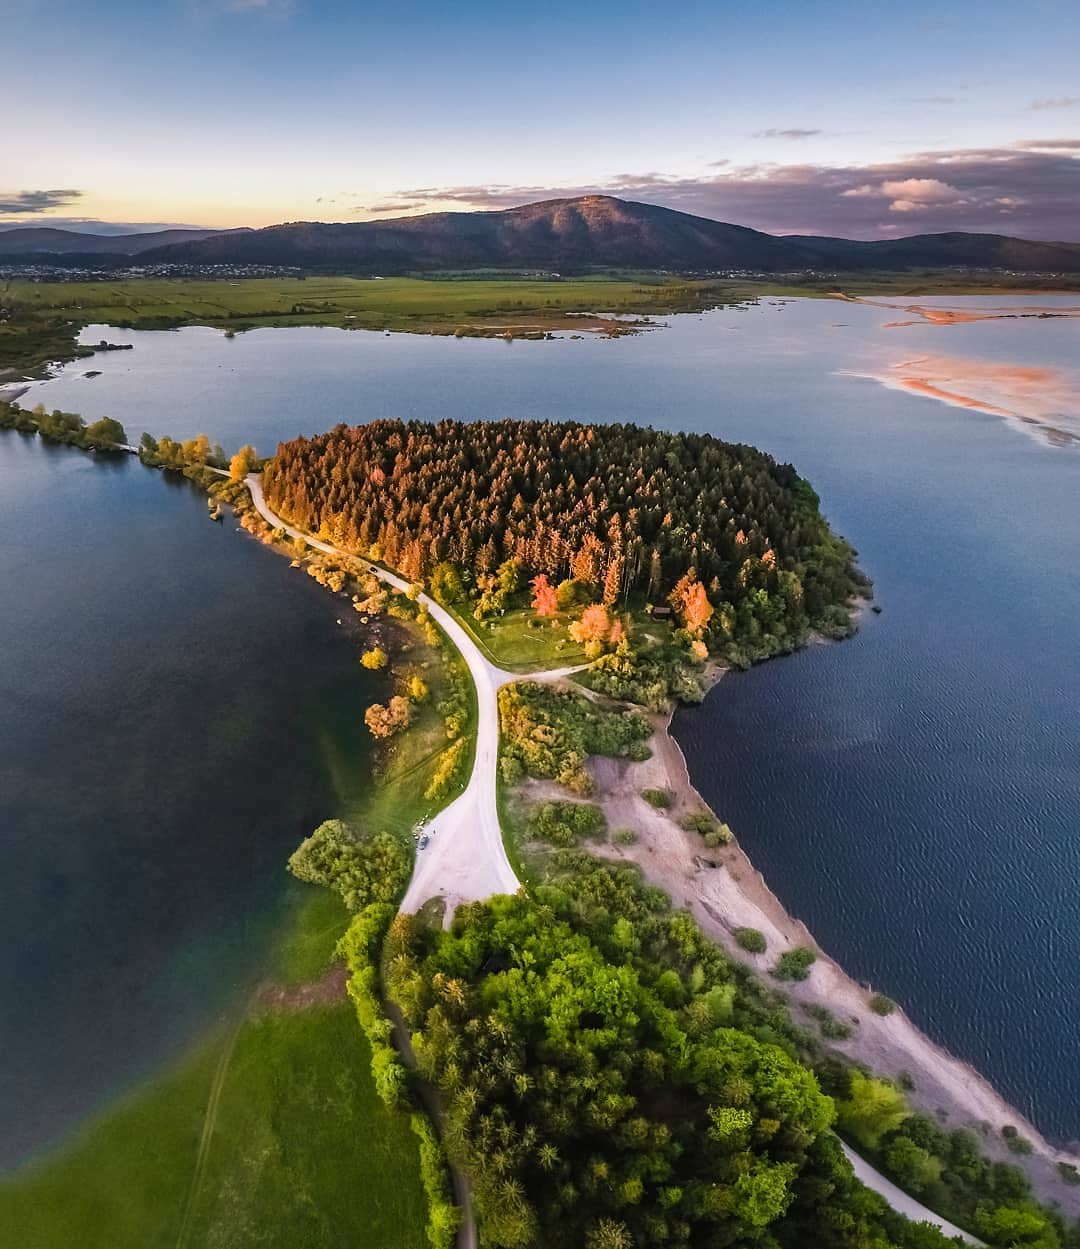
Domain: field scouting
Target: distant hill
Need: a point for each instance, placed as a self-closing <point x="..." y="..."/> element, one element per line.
<point x="936" y="251"/>
<point x="595" y="230"/>
<point x="564" y="235"/>
<point x="23" y="241"/>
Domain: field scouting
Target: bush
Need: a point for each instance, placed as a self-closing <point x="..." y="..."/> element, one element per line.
<point x="872" y="1111"/>
<point x="563" y="824"/>
<point x="550" y="733"/>
<point x="446" y="773"/>
<point x="1069" y="1173"/>
<point x="751" y="940"/>
<point x="795" y="964"/>
<point x="1017" y="1144"/>
<point x="721" y="835"/>
<point x="360" y="948"/>
<point x="832" y="1028"/>
<point x="444" y="1218"/>
<point x="375" y="658"/>
<point x="624" y="837"/>
<point x="882" y="1005"/>
<point x="659" y="798"/>
<point x="362" y="867"/>
<point x="651" y="678"/>
<point x="699" y="822"/>
<point x="385" y="721"/>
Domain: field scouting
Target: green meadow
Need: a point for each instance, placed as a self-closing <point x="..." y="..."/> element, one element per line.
<point x="267" y="1133"/>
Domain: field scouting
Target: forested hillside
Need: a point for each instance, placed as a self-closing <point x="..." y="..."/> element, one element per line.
<point x="732" y="538"/>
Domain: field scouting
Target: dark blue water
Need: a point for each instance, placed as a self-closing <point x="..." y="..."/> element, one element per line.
<point x="913" y="794"/>
<point x="175" y="709"/>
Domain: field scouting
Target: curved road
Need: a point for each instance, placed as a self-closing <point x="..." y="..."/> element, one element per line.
<point x="466" y="861"/>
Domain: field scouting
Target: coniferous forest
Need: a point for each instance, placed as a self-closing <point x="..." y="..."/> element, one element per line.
<point x="628" y="511"/>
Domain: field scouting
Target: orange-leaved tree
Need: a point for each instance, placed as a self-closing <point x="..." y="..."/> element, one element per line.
<point x="544" y="599"/>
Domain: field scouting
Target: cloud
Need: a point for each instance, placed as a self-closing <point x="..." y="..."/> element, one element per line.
<point x="12" y="202"/>
<point x="931" y="99"/>
<point x="1030" y="188"/>
<point x="209" y="10"/>
<point x="1056" y="101"/>
<point x="390" y="206"/>
<point x="792" y="133"/>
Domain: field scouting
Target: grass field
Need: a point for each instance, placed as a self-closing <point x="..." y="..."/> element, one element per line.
<point x="44" y="317"/>
<point x="302" y="1152"/>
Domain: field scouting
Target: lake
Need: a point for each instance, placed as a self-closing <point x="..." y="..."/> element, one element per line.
<point x="180" y="710"/>
<point x="913" y="794"/>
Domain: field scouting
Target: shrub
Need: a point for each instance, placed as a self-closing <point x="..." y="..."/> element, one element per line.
<point x="795" y="964"/>
<point x="446" y="773"/>
<point x="751" y="940"/>
<point x="375" y="658"/>
<point x="563" y="824"/>
<point x="831" y="1027"/>
<point x="1069" y="1173"/>
<point x="625" y="837"/>
<point x="444" y="1217"/>
<point x="873" y="1110"/>
<point x="550" y="733"/>
<point x="721" y="835"/>
<point x="882" y="1005"/>
<point x="362" y="867"/>
<point x="386" y="721"/>
<point x="1017" y="1144"/>
<point x="359" y="946"/>
<point x="699" y="822"/>
<point x="659" y="798"/>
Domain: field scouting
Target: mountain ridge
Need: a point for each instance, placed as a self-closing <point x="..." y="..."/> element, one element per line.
<point x="51" y="241"/>
<point x="585" y="232"/>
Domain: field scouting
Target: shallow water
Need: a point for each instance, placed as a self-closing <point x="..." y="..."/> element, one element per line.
<point x="913" y="794"/>
<point x="179" y="710"/>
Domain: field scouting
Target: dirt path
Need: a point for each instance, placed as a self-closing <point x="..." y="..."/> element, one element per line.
<point x="466" y="860"/>
<point x="213" y="1102"/>
<point x="725" y="892"/>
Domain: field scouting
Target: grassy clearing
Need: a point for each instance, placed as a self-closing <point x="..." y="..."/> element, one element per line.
<point x="306" y="948"/>
<point x="521" y="642"/>
<point x="302" y="1153"/>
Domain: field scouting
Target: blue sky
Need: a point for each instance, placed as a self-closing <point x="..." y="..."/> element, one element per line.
<point x="864" y="119"/>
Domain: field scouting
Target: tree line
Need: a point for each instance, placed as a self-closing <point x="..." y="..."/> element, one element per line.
<point x="736" y="537"/>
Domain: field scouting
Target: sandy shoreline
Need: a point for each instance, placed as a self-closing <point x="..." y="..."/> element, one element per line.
<point x="724" y="891"/>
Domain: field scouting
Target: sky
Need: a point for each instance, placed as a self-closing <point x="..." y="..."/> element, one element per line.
<point x="867" y="119"/>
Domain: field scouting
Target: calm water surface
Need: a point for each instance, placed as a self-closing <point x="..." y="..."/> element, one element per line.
<point x="914" y="794"/>
<point x="176" y="708"/>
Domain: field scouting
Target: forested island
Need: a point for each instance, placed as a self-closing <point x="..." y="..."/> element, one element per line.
<point x="614" y="515"/>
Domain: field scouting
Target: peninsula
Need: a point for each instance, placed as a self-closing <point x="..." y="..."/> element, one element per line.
<point x="588" y="575"/>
